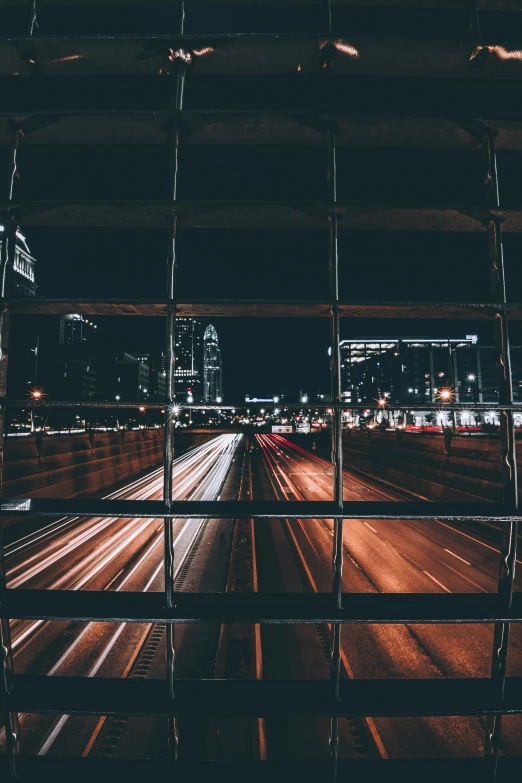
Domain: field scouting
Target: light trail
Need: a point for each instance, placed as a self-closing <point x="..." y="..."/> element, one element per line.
<point x="199" y="462"/>
<point x="140" y="489"/>
<point x="208" y="491"/>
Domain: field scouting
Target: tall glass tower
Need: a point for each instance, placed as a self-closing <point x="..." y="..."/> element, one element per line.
<point x="212" y="369"/>
<point x="187" y="373"/>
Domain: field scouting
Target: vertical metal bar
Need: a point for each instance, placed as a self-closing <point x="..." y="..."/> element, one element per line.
<point x="12" y="728"/>
<point x="33" y="22"/>
<point x="337" y="434"/>
<point x="182" y="10"/>
<point x="180" y="64"/>
<point x="507" y="450"/>
<point x="328" y="5"/>
<point x="472" y="18"/>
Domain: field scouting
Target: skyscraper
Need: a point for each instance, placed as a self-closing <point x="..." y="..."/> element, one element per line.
<point x="21" y="277"/>
<point x="187" y="372"/>
<point x="212" y="369"/>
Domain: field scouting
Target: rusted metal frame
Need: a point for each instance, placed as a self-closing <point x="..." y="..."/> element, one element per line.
<point x="507" y="449"/>
<point x="178" y="77"/>
<point x="472" y="19"/>
<point x="337" y="444"/>
<point x="12" y="728"/>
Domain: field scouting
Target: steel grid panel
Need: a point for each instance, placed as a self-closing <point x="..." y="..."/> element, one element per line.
<point x="276" y="54"/>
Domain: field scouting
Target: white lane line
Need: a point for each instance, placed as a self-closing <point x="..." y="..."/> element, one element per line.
<point x="457" y="556"/>
<point x="216" y="476"/>
<point x="371" y="528"/>
<point x="437" y="582"/>
<point x="52" y="736"/>
<point x="471" y="538"/>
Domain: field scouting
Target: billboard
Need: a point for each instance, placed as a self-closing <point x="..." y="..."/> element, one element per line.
<point x="282" y="428"/>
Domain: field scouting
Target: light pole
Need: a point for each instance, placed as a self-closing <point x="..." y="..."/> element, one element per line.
<point x="36" y="395"/>
<point x="446" y="395"/>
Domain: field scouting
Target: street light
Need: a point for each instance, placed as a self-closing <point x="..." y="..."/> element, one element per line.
<point x="471" y="377"/>
<point x="445" y="395"/>
<point x="36" y="395"/>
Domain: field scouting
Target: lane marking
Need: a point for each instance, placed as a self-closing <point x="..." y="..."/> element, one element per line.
<point x="476" y="540"/>
<point x="463" y="577"/>
<point x="457" y="556"/>
<point x="436" y="581"/>
<point x="371" y="528"/>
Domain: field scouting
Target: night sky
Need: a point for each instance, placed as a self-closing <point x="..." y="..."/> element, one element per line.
<point x="264" y="356"/>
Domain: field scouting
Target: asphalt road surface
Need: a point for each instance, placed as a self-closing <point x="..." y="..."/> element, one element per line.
<point x="381" y="556"/>
<point x="118" y="554"/>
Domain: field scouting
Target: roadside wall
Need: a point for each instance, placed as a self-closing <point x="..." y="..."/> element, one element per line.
<point x="465" y="469"/>
<point x="70" y="465"/>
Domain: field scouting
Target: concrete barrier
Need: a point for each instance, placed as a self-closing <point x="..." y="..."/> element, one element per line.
<point x="460" y="468"/>
<point x="62" y="466"/>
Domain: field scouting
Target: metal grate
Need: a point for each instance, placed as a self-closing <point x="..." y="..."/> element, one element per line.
<point x="171" y="698"/>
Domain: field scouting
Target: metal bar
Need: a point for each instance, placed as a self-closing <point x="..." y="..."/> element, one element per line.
<point x="12" y="728"/>
<point x="33" y="21"/>
<point x="290" y="405"/>
<point x="182" y="11"/>
<point x="264" y="509"/>
<point x="272" y="608"/>
<point x="508" y="454"/>
<point x="472" y="19"/>
<point x="430" y="770"/>
<point x="179" y="73"/>
<point x="262" y="698"/>
<point x="337" y="444"/>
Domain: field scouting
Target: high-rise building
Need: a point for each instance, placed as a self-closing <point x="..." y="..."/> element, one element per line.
<point x="212" y="366"/>
<point x="23" y="353"/>
<point x="76" y="329"/>
<point x="21" y="280"/>
<point x="157" y="386"/>
<point x="188" y="379"/>
<point x="131" y="378"/>
<point x="415" y="370"/>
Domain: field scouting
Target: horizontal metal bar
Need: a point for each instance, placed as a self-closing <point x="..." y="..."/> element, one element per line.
<point x="243" y="405"/>
<point x="484" y="5"/>
<point x="261" y="698"/>
<point x="258" y="214"/>
<point x="295" y="128"/>
<point x="190" y="608"/>
<point x="246" y="509"/>
<point x="265" y="308"/>
<point x="258" y="54"/>
<point x="107" y="770"/>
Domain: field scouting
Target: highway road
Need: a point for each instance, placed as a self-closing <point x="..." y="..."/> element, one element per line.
<point x="381" y="556"/>
<point x="289" y="555"/>
<point x="121" y="554"/>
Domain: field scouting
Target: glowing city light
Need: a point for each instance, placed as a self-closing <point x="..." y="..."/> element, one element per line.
<point x="445" y="394"/>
